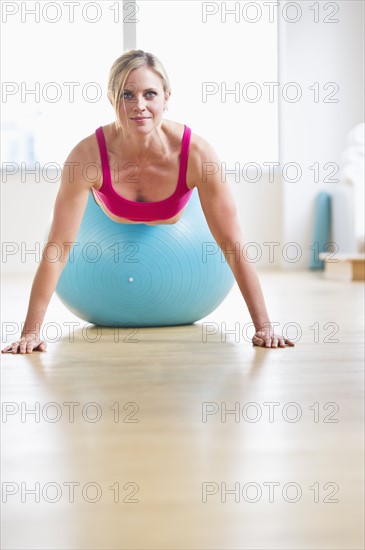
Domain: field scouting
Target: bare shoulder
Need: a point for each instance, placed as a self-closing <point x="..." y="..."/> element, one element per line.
<point x="83" y="161"/>
<point x="198" y="145"/>
<point x="174" y="132"/>
<point x="203" y="159"/>
<point x="201" y="148"/>
<point x="85" y="149"/>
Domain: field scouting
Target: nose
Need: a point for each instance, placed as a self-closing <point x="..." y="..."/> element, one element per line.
<point x="140" y="103"/>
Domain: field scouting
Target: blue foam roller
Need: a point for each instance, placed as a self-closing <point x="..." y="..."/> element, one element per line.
<point x="144" y="275"/>
<point x="321" y="229"/>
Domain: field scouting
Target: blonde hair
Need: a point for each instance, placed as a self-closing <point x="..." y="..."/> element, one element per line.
<point x="119" y="72"/>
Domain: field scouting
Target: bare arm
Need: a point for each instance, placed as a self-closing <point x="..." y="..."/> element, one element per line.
<point x="221" y="214"/>
<point x="68" y="212"/>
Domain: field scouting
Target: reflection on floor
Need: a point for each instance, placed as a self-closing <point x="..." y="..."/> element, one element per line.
<point x="188" y="437"/>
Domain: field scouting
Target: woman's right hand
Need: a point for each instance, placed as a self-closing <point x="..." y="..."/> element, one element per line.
<point x="26" y="344"/>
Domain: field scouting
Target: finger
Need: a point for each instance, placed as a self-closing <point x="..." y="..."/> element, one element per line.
<point x="9" y="350"/>
<point x="268" y="342"/>
<point x="275" y="342"/>
<point x="257" y="341"/>
<point x="41" y="346"/>
<point x="29" y="347"/>
<point x="23" y="346"/>
<point x="14" y="347"/>
<point x="289" y="342"/>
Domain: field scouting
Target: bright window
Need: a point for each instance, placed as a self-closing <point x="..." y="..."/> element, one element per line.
<point x="55" y="63"/>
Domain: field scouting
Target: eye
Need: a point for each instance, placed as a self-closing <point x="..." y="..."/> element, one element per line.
<point x="127" y="95"/>
<point x="151" y="93"/>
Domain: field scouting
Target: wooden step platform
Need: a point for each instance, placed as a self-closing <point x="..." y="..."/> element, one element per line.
<point x="343" y="267"/>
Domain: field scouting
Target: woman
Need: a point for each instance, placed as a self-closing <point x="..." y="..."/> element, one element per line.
<point x="140" y="154"/>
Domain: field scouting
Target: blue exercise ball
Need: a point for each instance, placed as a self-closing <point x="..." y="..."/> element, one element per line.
<point x="144" y="275"/>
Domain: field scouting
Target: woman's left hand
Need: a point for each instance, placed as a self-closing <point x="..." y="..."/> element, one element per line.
<point x="266" y="338"/>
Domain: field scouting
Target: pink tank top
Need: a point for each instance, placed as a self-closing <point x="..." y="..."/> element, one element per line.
<point x="143" y="211"/>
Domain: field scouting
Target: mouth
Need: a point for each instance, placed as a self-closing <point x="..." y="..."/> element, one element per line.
<point x="140" y="118"/>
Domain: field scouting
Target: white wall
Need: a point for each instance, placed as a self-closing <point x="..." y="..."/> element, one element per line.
<point x="25" y="213"/>
<point x="316" y="132"/>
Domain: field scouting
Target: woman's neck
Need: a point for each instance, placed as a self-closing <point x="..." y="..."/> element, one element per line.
<point x="142" y="147"/>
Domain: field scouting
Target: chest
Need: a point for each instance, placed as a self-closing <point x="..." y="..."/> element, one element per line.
<point x="148" y="182"/>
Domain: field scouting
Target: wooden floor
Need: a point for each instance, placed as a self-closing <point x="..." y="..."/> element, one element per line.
<point x="135" y="446"/>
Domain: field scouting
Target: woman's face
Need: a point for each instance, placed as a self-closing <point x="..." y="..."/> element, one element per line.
<point x="144" y="101"/>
